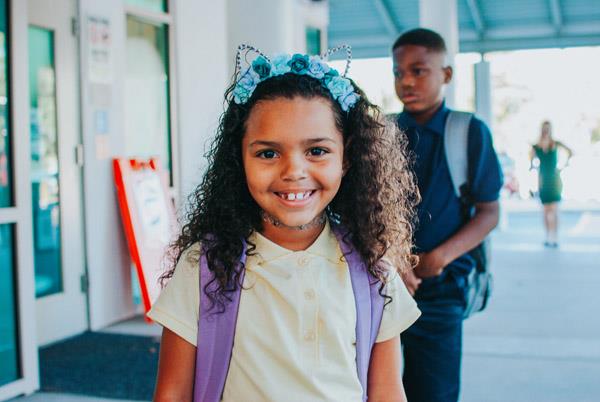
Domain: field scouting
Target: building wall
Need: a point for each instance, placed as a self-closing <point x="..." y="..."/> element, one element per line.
<point x="200" y="72"/>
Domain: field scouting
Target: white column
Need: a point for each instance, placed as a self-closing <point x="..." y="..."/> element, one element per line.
<point x="202" y="75"/>
<point x="442" y="16"/>
<point x="265" y="24"/>
<point x="483" y="92"/>
<point x="273" y="26"/>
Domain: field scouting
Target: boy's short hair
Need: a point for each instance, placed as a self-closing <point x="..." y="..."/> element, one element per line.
<point x="421" y="37"/>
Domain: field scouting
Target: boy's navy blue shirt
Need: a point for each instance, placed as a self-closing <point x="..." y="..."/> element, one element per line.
<point x="439" y="213"/>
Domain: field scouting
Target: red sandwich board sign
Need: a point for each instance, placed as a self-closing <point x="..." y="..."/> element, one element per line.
<point x="148" y="219"/>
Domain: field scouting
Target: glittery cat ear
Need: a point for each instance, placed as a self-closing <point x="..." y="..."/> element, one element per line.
<point x="347" y="48"/>
<point x="243" y="50"/>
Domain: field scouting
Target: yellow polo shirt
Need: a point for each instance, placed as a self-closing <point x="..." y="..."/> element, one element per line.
<point x="296" y="329"/>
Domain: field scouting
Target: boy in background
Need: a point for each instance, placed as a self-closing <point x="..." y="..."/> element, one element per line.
<point x="443" y="240"/>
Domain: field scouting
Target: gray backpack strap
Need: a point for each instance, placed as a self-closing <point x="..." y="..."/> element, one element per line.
<point x="456" y="136"/>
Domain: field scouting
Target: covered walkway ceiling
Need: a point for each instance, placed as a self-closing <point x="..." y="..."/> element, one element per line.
<point x="371" y="26"/>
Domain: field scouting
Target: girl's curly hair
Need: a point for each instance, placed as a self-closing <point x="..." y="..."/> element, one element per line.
<point x="375" y="201"/>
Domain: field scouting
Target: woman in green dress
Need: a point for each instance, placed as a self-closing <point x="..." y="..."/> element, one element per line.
<point x="550" y="184"/>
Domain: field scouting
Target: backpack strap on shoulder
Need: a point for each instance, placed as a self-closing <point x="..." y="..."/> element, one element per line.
<point x="369" y="306"/>
<point x="456" y="139"/>
<point x="216" y="332"/>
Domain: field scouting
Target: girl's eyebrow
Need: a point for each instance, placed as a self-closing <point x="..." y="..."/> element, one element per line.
<point x="315" y="140"/>
<point x="275" y="144"/>
<point x="265" y="143"/>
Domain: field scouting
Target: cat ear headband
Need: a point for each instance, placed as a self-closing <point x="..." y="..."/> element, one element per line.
<point x="263" y="68"/>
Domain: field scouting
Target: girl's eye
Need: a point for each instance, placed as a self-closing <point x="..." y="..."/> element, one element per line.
<point x="317" y="152"/>
<point x="267" y="154"/>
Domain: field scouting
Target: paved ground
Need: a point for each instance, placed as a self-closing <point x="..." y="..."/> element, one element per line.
<point x="539" y="340"/>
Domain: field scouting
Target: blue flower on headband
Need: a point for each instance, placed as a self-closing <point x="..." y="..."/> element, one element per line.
<point x="348" y="101"/>
<point x="299" y="63"/>
<point x="339" y="86"/>
<point x="280" y="65"/>
<point x="342" y="90"/>
<point x="317" y="68"/>
<point x="262" y="67"/>
<point x="245" y="86"/>
<point x="329" y="75"/>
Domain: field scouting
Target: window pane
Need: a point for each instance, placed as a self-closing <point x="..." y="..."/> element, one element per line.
<point x="152" y="5"/>
<point x="9" y="356"/>
<point x="313" y="40"/>
<point x="5" y="158"/>
<point x="44" y="163"/>
<point x="147" y="120"/>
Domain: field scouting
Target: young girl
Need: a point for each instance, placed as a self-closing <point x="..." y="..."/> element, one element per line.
<point x="307" y="189"/>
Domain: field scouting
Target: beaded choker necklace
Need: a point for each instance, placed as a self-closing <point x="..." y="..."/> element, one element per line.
<point x="316" y="222"/>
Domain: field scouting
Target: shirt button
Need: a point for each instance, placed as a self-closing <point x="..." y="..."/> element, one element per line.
<point x="303" y="261"/>
<point x="309" y="335"/>
<point x="309" y="294"/>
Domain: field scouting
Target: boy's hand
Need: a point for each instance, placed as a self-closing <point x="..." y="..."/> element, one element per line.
<point x="411" y="281"/>
<point x="430" y="264"/>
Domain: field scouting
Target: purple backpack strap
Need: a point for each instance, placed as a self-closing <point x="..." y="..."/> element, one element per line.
<point x="216" y="332"/>
<point x="369" y="307"/>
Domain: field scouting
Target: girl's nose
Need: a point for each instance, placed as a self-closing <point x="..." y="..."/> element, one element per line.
<point x="294" y="169"/>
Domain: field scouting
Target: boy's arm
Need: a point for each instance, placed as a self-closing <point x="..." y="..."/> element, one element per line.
<point x="176" y="367"/>
<point x="467" y="238"/>
<point x="385" y="379"/>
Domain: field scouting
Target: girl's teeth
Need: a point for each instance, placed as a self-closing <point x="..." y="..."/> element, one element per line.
<point x="295" y="196"/>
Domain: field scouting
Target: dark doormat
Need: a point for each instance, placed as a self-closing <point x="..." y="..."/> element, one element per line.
<point x="100" y="364"/>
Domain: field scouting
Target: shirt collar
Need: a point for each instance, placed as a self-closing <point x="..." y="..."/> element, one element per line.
<point x="322" y="247"/>
<point x="436" y="123"/>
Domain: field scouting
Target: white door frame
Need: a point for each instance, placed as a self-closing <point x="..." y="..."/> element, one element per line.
<point x="64" y="314"/>
<point x="20" y="214"/>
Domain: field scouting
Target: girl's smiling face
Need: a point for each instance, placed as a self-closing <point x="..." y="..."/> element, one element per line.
<point x="293" y="155"/>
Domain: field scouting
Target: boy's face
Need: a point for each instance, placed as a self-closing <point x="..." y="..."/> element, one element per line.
<point x="420" y="77"/>
<point x="293" y="156"/>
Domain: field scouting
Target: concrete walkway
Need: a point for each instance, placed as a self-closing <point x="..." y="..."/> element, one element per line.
<point x="539" y="340"/>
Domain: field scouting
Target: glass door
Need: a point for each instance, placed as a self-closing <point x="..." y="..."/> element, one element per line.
<point x="10" y="369"/>
<point x="55" y="175"/>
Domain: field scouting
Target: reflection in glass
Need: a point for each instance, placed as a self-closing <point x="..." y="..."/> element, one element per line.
<point x="147" y="122"/>
<point x="9" y="357"/>
<point x="5" y="162"/>
<point x="44" y="163"/>
<point x="150" y="5"/>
